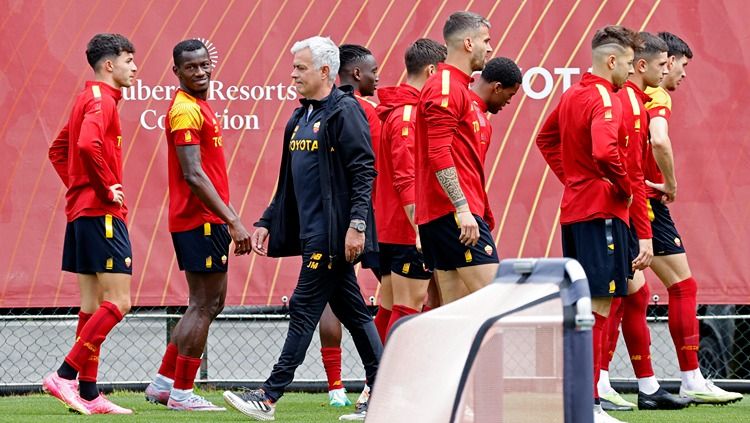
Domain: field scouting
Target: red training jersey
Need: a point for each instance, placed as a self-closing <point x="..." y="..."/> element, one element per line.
<point x="87" y="153"/>
<point x="375" y="128"/>
<point x="485" y="135"/>
<point x="660" y="106"/>
<point x="448" y="135"/>
<point x="395" y="164"/>
<point x="191" y="121"/>
<point x="635" y="119"/>
<point x="583" y="141"/>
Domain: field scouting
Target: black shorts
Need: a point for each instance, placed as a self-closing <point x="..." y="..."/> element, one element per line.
<point x="667" y="240"/>
<point x="443" y="251"/>
<point x="404" y="260"/>
<point x="602" y="248"/>
<point x="204" y="249"/>
<point x="98" y="244"/>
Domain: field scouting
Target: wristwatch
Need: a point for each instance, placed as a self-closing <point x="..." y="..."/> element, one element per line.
<point x="358" y="225"/>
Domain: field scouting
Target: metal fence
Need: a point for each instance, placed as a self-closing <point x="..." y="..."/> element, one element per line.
<point x="244" y="343"/>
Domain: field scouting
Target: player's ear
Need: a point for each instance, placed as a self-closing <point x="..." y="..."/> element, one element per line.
<point x="670" y="62"/>
<point x="325" y="70"/>
<point x="611" y="61"/>
<point x="108" y="65"/>
<point x="468" y="44"/>
<point x="174" y="70"/>
<point x="641" y="65"/>
<point x="357" y="73"/>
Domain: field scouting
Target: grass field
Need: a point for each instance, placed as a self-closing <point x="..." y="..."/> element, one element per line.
<point x="307" y="408"/>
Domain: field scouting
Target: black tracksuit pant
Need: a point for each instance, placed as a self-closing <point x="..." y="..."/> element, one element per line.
<point x="320" y="284"/>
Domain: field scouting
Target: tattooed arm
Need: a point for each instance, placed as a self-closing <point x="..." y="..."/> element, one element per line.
<point x="448" y="179"/>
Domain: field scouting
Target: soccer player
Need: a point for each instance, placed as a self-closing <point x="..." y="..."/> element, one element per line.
<point x="87" y="155"/>
<point x="402" y="265"/>
<point x="358" y="71"/>
<point x="449" y="189"/>
<point x="202" y="222"/>
<point x="670" y="260"/>
<point x="321" y="210"/>
<point x="500" y="80"/>
<point x="583" y="141"/>
<point x="650" y="66"/>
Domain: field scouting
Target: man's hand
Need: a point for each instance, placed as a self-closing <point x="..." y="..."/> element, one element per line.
<point x="354" y="244"/>
<point x="645" y="254"/>
<point x="258" y="241"/>
<point x="116" y="195"/>
<point x="419" y="243"/>
<point x="669" y="190"/>
<point x="469" y="228"/>
<point x="241" y="238"/>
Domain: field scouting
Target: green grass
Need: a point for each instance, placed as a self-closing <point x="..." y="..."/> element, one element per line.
<point x="308" y="408"/>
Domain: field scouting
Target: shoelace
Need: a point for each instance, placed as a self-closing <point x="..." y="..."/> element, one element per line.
<point x="198" y="400"/>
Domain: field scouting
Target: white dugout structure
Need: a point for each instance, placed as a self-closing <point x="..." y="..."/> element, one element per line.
<point x="518" y="350"/>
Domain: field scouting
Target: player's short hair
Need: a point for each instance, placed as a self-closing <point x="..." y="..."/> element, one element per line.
<point x="651" y="46"/>
<point x="460" y="22"/>
<point x="423" y="52"/>
<point x="324" y="52"/>
<point x="677" y="47"/>
<point x="186" y="45"/>
<point x="616" y="35"/>
<point x="102" y="46"/>
<point x="351" y="55"/>
<point x="502" y="70"/>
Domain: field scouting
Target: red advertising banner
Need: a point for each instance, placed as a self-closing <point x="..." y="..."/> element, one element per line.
<point x="43" y="66"/>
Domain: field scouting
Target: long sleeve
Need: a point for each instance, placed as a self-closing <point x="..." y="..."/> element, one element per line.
<point x="442" y="119"/>
<point x="58" y="154"/>
<point x="605" y="124"/>
<point x="402" y="157"/>
<point x="90" y="143"/>
<point x="355" y="147"/>
<point x="548" y="141"/>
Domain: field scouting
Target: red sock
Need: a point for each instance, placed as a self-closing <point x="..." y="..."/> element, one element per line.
<point x="185" y="371"/>
<point x="93" y="334"/>
<point x="82" y="319"/>
<point x="599" y="333"/>
<point x="169" y="361"/>
<point x="636" y="333"/>
<point x="613" y="332"/>
<point x="397" y="313"/>
<point x="381" y="322"/>
<point x="683" y="323"/>
<point x="332" y="364"/>
<point x="91" y="367"/>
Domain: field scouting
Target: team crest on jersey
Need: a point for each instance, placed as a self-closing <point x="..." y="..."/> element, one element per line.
<point x="678" y="242"/>
<point x="223" y="259"/>
<point x="467" y="256"/>
<point x="612" y="287"/>
<point x="128" y="262"/>
<point x="316" y="127"/>
<point x="488" y="249"/>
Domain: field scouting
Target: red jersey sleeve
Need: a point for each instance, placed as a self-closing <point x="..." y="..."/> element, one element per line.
<point x="634" y="161"/>
<point x="402" y="155"/>
<point x="442" y="118"/>
<point x="548" y="141"/>
<point x="97" y="115"/>
<point x="605" y="126"/>
<point x="58" y="154"/>
<point x="186" y="120"/>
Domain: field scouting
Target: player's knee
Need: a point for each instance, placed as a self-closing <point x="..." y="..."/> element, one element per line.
<point x="123" y="304"/>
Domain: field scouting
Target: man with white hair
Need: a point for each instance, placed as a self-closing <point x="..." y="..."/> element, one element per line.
<point x="321" y="210"/>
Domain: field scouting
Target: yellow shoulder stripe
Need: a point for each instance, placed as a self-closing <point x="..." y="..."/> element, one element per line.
<point x="634" y="102"/>
<point x="659" y="98"/>
<point x="97" y="91"/>
<point x="446" y="88"/>
<point x="185" y="114"/>
<point x="407" y="112"/>
<point x="606" y="100"/>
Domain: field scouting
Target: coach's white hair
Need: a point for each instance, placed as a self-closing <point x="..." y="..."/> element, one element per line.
<point x="324" y="52"/>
